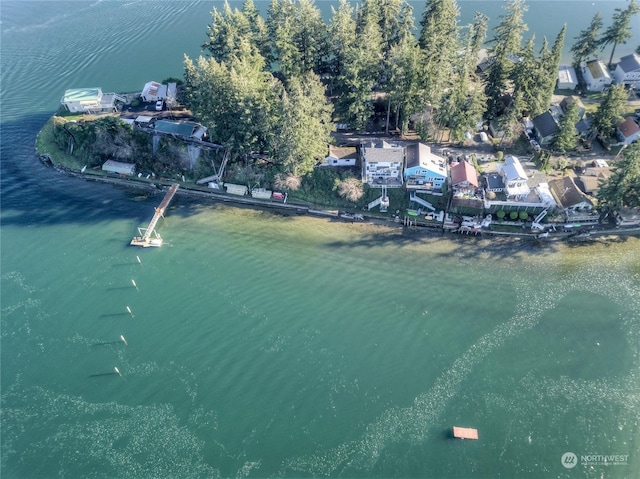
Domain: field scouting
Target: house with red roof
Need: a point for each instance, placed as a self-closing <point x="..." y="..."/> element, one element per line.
<point x="628" y="130"/>
<point x="464" y="178"/>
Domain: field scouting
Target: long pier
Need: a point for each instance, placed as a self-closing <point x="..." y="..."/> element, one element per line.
<point x="145" y="239"/>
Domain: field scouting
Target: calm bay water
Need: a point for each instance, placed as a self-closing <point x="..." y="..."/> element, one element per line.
<point x="279" y="346"/>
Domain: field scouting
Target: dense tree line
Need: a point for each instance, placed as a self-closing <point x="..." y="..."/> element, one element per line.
<point x="276" y="85"/>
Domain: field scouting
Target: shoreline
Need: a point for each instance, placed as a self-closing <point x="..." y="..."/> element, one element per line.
<point x="601" y="235"/>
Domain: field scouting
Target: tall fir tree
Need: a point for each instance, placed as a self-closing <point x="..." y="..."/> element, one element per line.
<point x="439" y="43"/>
<point x="506" y="44"/>
<point x="587" y="42"/>
<point x="623" y="186"/>
<point x="610" y="111"/>
<point x="566" y="138"/>
<point x="620" y="29"/>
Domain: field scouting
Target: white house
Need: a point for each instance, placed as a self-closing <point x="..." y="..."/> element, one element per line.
<point x="340" y="156"/>
<point x="567" y="78"/>
<point x="596" y="75"/>
<point x="111" y="166"/>
<point x="382" y="164"/>
<point x="627" y="71"/>
<point x="515" y="178"/>
<point x="628" y="130"/>
<point x="88" y="100"/>
<point x="153" y="91"/>
<point x="424" y="170"/>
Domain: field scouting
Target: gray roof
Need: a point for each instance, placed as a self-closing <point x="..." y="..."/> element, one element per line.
<point x="630" y="63"/>
<point x="545" y="124"/>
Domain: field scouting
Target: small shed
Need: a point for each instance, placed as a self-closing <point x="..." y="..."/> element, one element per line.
<point x="112" y="166"/>
<point x="239" y="190"/>
<point x="567" y="78"/>
<point x="341" y="156"/>
<point x="628" y="130"/>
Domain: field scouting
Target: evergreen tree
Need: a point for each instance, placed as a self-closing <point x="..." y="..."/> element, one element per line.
<point x="259" y="31"/>
<point x="439" y="42"/>
<point x="529" y="82"/>
<point x="236" y="100"/>
<point x="552" y="63"/>
<point x="304" y="127"/>
<point x="478" y="35"/>
<point x="228" y="28"/>
<point x="404" y="87"/>
<point x="361" y="72"/>
<point x="342" y="35"/>
<point x="587" y="42"/>
<point x="620" y="29"/>
<point x="298" y="37"/>
<point x="566" y="138"/>
<point x="506" y="46"/>
<point x="610" y="111"/>
<point x="623" y="186"/>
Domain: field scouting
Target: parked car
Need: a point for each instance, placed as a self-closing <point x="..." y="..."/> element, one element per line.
<point x="534" y="144"/>
<point x="159" y="105"/>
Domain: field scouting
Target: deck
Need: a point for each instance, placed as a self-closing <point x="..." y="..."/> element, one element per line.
<point x="145" y="240"/>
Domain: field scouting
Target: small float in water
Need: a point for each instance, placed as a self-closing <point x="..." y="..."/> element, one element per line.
<point x="465" y="432"/>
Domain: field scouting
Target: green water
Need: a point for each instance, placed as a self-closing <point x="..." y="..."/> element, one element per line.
<point x="261" y="345"/>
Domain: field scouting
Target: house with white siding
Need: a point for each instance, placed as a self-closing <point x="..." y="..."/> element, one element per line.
<point x="515" y="178"/>
<point x="596" y="75"/>
<point x="89" y="100"/>
<point x="627" y="70"/>
<point x="382" y="163"/>
<point x="567" y="78"/>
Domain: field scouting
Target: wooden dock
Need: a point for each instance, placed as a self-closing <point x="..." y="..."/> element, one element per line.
<point x="465" y="432"/>
<point x="145" y="239"/>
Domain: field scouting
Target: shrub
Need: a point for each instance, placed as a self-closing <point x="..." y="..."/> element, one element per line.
<point x="500" y="214"/>
<point x="499" y="155"/>
<point x="513" y="215"/>
<point x="523" y="215"/>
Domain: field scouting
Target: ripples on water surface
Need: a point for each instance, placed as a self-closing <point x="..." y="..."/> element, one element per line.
<point x="267" y="346"/>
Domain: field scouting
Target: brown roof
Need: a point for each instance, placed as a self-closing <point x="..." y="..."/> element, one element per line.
<point x="566" y="192"/>
<point x="628" y="127"/>
<point x="343" y="152"/>
<point x="464" y="171"/>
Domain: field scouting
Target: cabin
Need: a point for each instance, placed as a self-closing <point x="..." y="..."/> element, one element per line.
<point x="382" y="163"/>
<point x="515" y="178"/>
<point x="627" y="216"/>
<point x="596" y="75"/>
<point x="341" y="156"/>
<point x="627" y="70"/>
<point x="567" y="78"/>
<point x="153" y="91"/>
<point x="111" y="166"/>
<point x="424" y="170"/>
<point x="628" y="131"/>
<point x="545" y="128"/>
<point x="89" y="100"/>
<point x="464" y="178"/>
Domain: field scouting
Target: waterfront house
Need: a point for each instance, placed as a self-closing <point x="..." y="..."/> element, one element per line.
<point x="153" y="91"/>
<point x="424" y="170"/>
<point x="382" y="163"/>
<point x="545" y="128"/>
<point x="495" y="182"/>
<point x="627" y="216"/>
<point x="515" y="178"/>
<point x="567" y="78"/>
<point x="89" y="100"/>
<point x="576" y="205"/>
<point x="628" y="130"/>
<point x="341" y="156"/>
<point x="596" y="75"/>
<point x="464" y="178"/>
<point x="627" y="70"/>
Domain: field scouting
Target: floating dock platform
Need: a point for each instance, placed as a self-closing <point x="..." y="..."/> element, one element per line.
<point x="465" y="432"/>
<point x="145" y="239"/>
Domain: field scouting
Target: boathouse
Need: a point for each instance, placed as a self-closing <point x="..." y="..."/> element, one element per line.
<point x="111" y="166"/>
